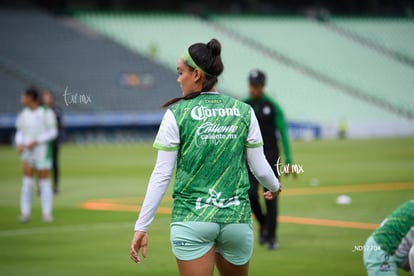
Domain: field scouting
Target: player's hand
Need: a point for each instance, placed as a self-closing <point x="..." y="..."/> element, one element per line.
<point x="140" y="241"/>
<point x="272" y="195"/>
<point x="32" y="145"/>
<point x="20" y="148"/>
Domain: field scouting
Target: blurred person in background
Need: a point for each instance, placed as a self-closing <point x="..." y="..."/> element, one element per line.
<point x="391" y="245"/>
<point x="273" y="127"/>
<point x="342" y="129"/>
<point x="208" y="136"/>
<point x="49" y="101"/>
<point x="36" y="129"/>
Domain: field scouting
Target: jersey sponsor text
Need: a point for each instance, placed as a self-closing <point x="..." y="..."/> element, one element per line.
<point x="201" y="112"/>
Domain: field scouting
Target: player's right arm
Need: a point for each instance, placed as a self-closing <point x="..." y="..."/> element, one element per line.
<point x="18" y="138"/>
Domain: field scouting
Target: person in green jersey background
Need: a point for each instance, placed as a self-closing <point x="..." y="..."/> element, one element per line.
<point x="273" y="128"/>
<point x="208" y="137"/>
<point x="48" y="99"/>
<point x="391" y="245"/>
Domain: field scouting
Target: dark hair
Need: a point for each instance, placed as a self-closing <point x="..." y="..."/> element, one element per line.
<point x="257" y="77"/>
<point x="207" y="57"/>
<point x="33" y="93"/>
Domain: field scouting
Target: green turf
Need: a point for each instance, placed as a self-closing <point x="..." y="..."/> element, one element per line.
<point x="86" y="242"/>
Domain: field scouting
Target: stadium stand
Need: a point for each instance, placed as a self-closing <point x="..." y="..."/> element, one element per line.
<point x="125" y="64"/>
<point x="97" y="82"/>
<point x="347" y="64"/>
<point x="284" y="48"/>
<point x="393" y="35"/>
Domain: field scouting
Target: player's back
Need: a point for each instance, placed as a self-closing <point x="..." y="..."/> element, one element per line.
<point x="213" y="129"/>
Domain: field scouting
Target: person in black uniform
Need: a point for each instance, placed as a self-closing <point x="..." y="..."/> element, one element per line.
<point x="273" y="127"/>
<point x="48" y="100"/>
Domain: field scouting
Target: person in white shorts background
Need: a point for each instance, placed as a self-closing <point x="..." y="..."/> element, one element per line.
<point x="35" y="129"/>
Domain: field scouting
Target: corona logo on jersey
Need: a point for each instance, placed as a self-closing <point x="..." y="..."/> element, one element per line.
<point x="201" y="112"/>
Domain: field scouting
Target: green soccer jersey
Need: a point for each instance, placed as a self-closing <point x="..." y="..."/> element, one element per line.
<point x="396" y="234"/>
<point x="210" y="133"/>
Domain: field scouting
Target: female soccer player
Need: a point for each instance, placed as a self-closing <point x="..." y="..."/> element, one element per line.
<point x="36" y="128"/>
<point x="208" y="136"/>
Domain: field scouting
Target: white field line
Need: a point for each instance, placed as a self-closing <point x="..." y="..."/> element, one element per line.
<point x="65" y="228"/>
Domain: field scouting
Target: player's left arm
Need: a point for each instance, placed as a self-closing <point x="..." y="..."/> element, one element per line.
<point x="257" y="162"/>
<point x="281" y="125"/>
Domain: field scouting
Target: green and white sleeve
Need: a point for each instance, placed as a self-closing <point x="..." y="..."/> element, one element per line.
<point x="168" y="136"/>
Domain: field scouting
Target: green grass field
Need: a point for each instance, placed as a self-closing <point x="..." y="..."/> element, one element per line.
<point x="91" y="242"/>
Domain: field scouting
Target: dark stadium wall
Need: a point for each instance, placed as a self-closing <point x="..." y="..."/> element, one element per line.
<point x="343" y="7"/>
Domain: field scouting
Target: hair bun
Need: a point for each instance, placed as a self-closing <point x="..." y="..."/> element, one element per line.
<point x="215" y="47"/>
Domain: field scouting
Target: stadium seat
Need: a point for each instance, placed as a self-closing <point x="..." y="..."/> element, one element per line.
<point x="307" y="42"/>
